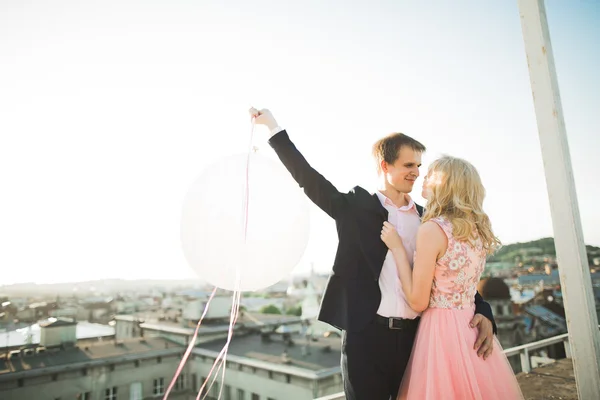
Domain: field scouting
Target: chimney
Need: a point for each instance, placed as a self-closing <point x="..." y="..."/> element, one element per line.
<point x="58" y="332"/>
<point x="284" y="358"/>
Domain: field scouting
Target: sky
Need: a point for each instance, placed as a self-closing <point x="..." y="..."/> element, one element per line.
<point x="109" y="111"/>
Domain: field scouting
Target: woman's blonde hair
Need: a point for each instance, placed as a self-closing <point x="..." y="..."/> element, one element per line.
<point x="457" y="193"/>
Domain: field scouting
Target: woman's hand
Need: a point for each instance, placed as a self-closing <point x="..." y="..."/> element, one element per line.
<point x="390" y="237"/>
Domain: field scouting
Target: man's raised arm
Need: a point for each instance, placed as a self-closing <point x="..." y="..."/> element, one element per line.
<point x="318" y="189"/>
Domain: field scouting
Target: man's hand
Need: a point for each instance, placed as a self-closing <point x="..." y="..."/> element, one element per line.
<point x="263" y="117"/>
<point x="485" y="338"/>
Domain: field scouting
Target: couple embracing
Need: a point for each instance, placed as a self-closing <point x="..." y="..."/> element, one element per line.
<point x="403" y="288"/>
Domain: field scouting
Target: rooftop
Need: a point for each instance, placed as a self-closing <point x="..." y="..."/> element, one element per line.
<point x="84" y="330"/>
<point x="151" y="320"/>
<point x="79" y="356"/>
<point x="547" y="316"/>
<point x="322" y="353"/>
<point x="552" y="381"/>
<point x="54" y="322"/>
<point x="494" y="289"/>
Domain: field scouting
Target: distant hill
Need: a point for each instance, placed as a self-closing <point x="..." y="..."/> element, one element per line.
<point x="102" y="285"/>
<point x="541" y="247"/>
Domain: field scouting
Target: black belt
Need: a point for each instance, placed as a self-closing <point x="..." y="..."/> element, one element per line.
<point x="398" y="323"/>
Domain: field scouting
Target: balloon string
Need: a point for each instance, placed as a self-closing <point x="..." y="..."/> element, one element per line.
<point x="190" y="346"/>
<point x="222" y="357"/>
<point x="234" y="306"/>
<point x="247" y="194"/>
<point x="236" y="293"/>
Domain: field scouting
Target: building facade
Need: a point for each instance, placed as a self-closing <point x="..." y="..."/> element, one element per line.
<point x="261" y="365"/>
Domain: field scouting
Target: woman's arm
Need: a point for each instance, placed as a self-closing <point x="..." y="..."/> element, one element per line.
<point x="416" y="282"/>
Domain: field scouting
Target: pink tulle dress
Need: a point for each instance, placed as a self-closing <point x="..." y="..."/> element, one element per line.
<point x="443" y="363"/>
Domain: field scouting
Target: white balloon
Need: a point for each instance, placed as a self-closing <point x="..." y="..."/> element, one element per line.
<point x="212" y="226"/>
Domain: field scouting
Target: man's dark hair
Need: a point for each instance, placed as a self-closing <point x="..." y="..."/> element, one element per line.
<point x="387" y="148"/>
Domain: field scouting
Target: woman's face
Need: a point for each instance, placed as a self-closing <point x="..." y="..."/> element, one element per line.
<point x="428" y="184"/>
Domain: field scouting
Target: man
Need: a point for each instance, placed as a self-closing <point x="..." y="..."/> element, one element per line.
<point x="364" y="297"/>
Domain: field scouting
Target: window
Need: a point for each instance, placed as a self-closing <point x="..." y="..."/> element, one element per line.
<point x="288" y="378"/>
<point x="84" y="396"/>
<point x="110" y="393"/>
<point x="159" y="386"/>
<point x="84" y="371"/>
<point x="158" y="360"/>
<point x="135" y="391"/>
<point x="227" y="392"/>
<point x="240" y="394"/>
<point x="500" y="310"/>
<point x="194" y="382"/>
<point x="255" y="396"/>
<point x="214" y="390"/>
<point x="180" y="382"/>
<point x="205" y="389"/>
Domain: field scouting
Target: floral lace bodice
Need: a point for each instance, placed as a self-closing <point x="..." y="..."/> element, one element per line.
<point x="457" y="272"/>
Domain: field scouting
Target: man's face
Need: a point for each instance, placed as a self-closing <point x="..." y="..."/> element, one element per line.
<point x="403" y="173"/>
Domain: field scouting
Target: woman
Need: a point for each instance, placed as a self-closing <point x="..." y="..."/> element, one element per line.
<point x="452" y="244"/>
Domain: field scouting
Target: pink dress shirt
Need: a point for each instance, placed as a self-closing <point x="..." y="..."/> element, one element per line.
<point x="407" y="222"/>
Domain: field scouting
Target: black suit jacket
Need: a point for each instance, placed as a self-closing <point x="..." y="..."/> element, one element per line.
<point x="352" y="295"/>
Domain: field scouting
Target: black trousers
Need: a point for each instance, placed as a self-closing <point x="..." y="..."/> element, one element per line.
<point x="374" y="361"/>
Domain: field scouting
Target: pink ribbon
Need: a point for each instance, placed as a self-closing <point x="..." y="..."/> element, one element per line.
<point x="234" y="307"/>
<point x="190" y="346"/>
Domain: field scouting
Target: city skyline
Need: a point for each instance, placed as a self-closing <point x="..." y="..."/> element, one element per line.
<point x="112" y="111"/>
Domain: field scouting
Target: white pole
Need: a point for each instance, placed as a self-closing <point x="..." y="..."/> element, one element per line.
<point x="573" y="267"/>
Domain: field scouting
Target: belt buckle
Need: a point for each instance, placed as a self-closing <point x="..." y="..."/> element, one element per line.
<point x="391" y="324"/>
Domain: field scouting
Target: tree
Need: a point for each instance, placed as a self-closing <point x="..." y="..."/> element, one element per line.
<point x="297" y="311"/>
<point x="270" y="309"/>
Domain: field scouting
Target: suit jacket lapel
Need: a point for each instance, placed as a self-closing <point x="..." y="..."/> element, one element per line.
<point x="379" y="208"/>
<point x="420" y="210"/>
<point x="372" y="245"/>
